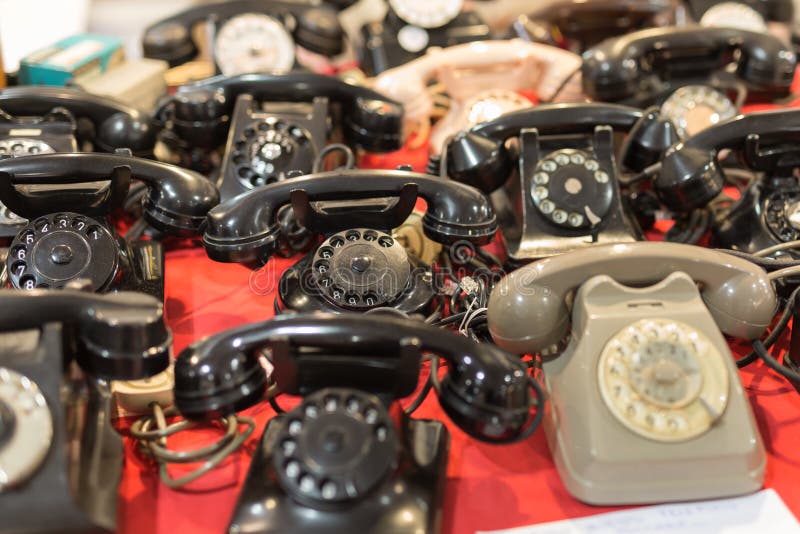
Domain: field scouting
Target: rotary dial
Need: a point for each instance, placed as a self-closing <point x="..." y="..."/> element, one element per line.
<point x="253" y="42"/>
<point x="663" y="380"/>
<point x="782" y="214"/>
<point x="734" y="15"/>
<point x="427" y="13"/>
<point x="696" y="107"/>
<point x="489" y="105"/>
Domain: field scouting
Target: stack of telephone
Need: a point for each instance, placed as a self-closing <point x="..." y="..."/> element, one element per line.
<point x="596" y="218"/>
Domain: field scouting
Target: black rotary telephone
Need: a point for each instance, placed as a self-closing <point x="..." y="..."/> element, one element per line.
<point x="358" y="266"/>
<point x="104" y="123"/>
<point x="62" y="459"/>
<point x="67" y="198"/>
<point x="276" y="123"/>
<point x="248" y="35"/>
<point x="346" y="460"/>
<point x="411" y="27"/>
<point x="768" y="212"/>
<point x="565" y="194"/>
<point x="689" y="71"/>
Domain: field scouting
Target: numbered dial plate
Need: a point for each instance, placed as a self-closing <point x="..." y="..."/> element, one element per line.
<point x="571" y="190"/>
<point x="26" y="428"/>
<point x="58" y="248"/>
<point x="663" y="380"/>
<point x="361" y="269"/>
<point x="489" y="105"/>
<point x="734" y="15"/>
<point x="696" y="107"/>
<point x="16" y="147"/>
<point x="782" y="214"/>
<point x="253" y="42"/>
<point x="427" y="13"/>
<point x="268" y="149"/>
<point x="336" y="446"/>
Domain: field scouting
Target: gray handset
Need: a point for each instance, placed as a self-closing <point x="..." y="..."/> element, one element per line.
<point x="528" y="310"/>
<point x="646" y="404"/>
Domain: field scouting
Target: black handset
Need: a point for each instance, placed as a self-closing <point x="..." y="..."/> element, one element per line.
<point x="346" y="460"/>
<point x="768" y="142"/>
<point x="312" y="24"/>
<point x="49" y="485"/>
<point x="67" y="196"/>
<point x="106" y="123"/>
<point x="566" y="194"/>
<point x="203" y="114"/>
<point x="358" y="266"/>
<point x="642" y="67"/>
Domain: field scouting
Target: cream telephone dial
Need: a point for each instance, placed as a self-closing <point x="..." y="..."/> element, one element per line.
<point x="481" y="79"/>
<point x="646" y="402"/>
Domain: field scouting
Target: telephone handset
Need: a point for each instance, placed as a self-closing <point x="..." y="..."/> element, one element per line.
<point x="359" y="265"/>
<point x="645" y="67"/>
<point x="346" y="459"/>
<point x="647" y="405"/>
<point x="481" y="79"/>
<point x="768" y="142"/>
<point x="106" y="123"/>
<point x="248" y="35"/>
<point x="67" y="197"/>
<point x="578" y="25"/>
<point x="203" y="114"/>
<point x="566" y="192"/>
<point x="48" y="485"/>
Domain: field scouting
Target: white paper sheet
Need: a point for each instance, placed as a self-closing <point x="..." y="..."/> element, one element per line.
<point x="762" y="512"/>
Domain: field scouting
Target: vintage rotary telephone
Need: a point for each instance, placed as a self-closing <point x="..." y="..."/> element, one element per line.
<point x="565" y="194"/>
<point x="578" y="25"/>
<point x="248" y="35"/>
<point x="689" y="71"/>
<point x="768" y="213"/>
<point x="410" y="27"/>
<point x="646" y="401"/>
<point x="358" y="266"/>
<point x="481" y="79"/>
<point x="67" y="197"/>
<point x="346" y="460"/>
<point x="61" y="458"/>
<point x="755" y="15"/>
<point x="276" y="123"/>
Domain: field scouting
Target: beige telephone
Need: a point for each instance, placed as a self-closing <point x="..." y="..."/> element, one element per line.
<point x="646" y="404"/>
<point x="481" y="79"/>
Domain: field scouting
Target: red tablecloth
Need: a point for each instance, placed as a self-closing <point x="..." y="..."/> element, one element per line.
<point x="488" y="487"/>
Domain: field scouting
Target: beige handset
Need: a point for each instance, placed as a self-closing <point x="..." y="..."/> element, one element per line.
<point x="481" y="78"/>
<point x="646" y="404"/>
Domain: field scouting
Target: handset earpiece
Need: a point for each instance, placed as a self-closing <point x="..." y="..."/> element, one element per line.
<point x="121" y="336"/>
<point x="486" y="392"/>
<point x="177" y="202"/>
<point x="648" y="140"/>
<point x="479" y="157"/>
<point x="527" y="309"/>
<point x="245" y="229"/>
<point x="691" y="174"/>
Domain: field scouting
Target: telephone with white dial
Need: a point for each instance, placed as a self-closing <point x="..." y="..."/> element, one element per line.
<point x="481" y="79"/>
<point x="646" y="401"/>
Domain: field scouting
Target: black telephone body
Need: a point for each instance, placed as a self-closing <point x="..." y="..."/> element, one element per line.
<point x="767" y="213"/>
<point x="68" y="198"/>
<point x="347" y="459"/>
<point x="385" y="46"/>
<point x="59" y="350"/>
<point x="275" y="124"/>
<point x="358" y="266"/>
<point x="577" y="25"/>
<point x="310" y="24"/>
<point x="559" y="190"/>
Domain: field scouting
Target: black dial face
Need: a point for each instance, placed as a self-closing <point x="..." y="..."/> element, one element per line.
<point x="270" y="148"/>
<point x="361" y="269"/>
<point x="56" y="249"/>
<point x="782" y="214"/>
<point x="571" y="190"/>
<point x="336" y="446"/>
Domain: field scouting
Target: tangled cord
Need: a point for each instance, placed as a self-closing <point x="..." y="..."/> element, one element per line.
<point x="154" y="443"/>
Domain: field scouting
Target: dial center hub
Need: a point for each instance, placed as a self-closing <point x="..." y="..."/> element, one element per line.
<point x="573" y="186"/>
<point x="793" y="215"/>
<point x="360" y="264"/>
<point x="666" y="372"/>
<point x="61" y="254"/>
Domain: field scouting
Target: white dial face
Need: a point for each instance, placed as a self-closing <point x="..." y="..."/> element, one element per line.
<point x="251" y="43"/>
<point x="488" y="105"/>
<point x="696" y="107"/>
<point x="734" y="15"/>
<point x="663" y="380"/>
<point x="427" y="13"/>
